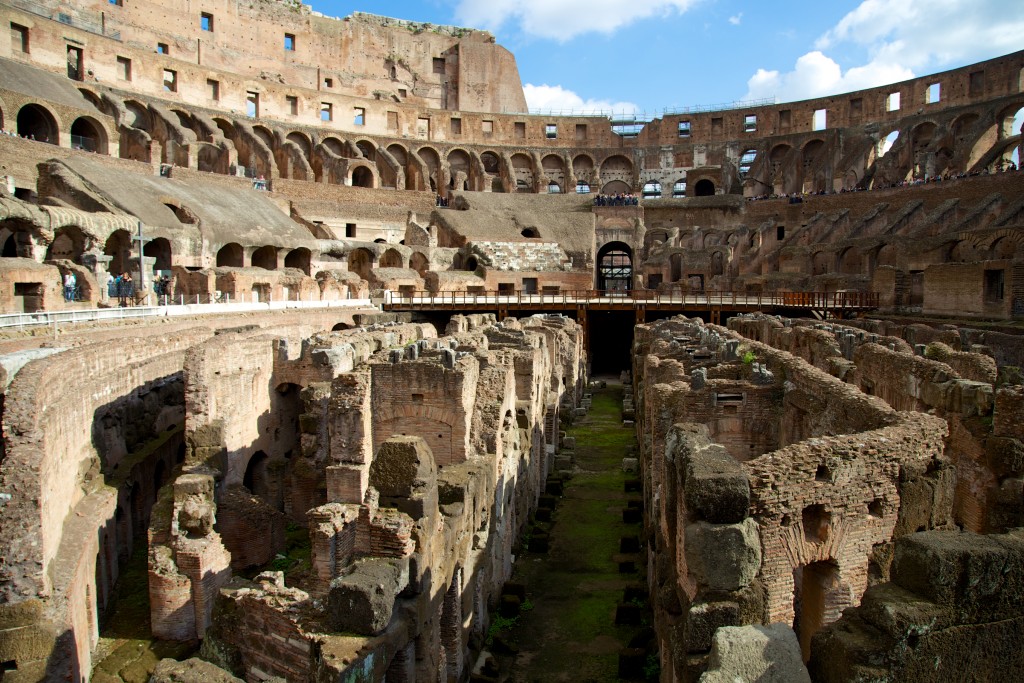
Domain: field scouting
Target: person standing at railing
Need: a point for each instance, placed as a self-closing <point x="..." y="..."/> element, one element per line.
<point x="69" y="286"/>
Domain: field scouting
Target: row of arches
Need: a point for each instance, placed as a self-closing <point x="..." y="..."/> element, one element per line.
<point x="702" y="188"/>
<point x="266" y="257"/>
<point x="37" y="122"/>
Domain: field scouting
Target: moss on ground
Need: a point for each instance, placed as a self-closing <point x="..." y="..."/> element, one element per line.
<point x="570" y="634"/>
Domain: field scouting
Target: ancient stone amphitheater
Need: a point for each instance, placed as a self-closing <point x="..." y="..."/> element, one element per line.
<point x="300" y="201"/>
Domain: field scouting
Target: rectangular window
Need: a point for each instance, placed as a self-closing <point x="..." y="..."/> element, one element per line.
<point x="327" y="111"/>
<point x="402" y="92"/>
<point x="506" y="286"/>
<point x="350" y="230"/>
<point x="252" y="104"/>
<point x="581" y="132"/>
<point x="456" y="126"/>
<point x="976" y="83"/>
<point x="438" y="63"/>
<point x="785" y="118"/>
<point x="124" y="69"/>
<point x="423" y="128"/>
<point x="19" y="38"/>
<point x="933" y="94"/>
<point x="162" y="49"/>
<point x="551" y="131"/>
<point x="360" y="116"/>
<point x="74" y="63"/>
<point x="213" y="89"/>
<point x="487" y="127"/>
<point x="892" y="102"/>
<point x="289" y="42"/>
<point x="170" y="80"/>
<point x="293" y="104"/>
<point x="684" y="129"/>
<point x="392" y="120"/>
<point x="520" y="130"/>
<point x="856" y="106"/>
<point x="328" y="82"/>
<point x="820" y="120"/>
<point x="206" y="21"/>
<point x="994" y="285"/>
<point x="750" y="123"/>
<point x="716" y="126"/>
<point x="118" y="3"/>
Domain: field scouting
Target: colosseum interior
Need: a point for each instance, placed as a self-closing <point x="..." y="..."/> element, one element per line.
<point x="367" y="308"/>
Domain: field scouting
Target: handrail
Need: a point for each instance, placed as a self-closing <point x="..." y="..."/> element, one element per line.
<point x="637" y="297"/>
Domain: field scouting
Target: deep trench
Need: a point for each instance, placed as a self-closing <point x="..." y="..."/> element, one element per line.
<point x="581" y="567"/>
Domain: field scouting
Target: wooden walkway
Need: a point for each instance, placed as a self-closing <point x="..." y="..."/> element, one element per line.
<point x="819" y="305"/>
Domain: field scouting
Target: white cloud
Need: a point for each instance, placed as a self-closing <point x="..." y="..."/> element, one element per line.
<point x="556" y="98"/>
<point x="735" y="19"/>
<point x="902" y="38"/>
<point x="562" y="20"/>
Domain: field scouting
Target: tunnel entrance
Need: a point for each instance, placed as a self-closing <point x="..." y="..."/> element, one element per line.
<point x="610" y="341"/>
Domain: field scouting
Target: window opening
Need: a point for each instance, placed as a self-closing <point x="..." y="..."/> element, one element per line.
<point x="750" y="123"/>
<point x="820" y="119"/>
<point x="293" y="104"/>
<point x="19" y="37"/>
<point x="326" y="111"/>
<point x="892" y="102"/>
<point x="933" y="94"/>
<point x="206" y="21"/>
<point x="289" y="42"/>
<point x="551" y="131"/>
<point x="456" y="126"/>
<point x="252" y="104"/>
<point x="170" y="80"/>
<point x="360" y="116"/>
<point x="124" y="69"/>
<point x="684" y="129"/>
<point x="162" y="49"/>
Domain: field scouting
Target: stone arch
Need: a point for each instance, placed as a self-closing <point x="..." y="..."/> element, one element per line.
<point x="615" y="267"/>
<point x="615" y="187"/>
<point x="1004" y="248"/>
<point x="679" y="188"/>
<point x="89" y="134"/>
<point x="392" y="258"/>
<point x="704" y="188"/>
<point x="522" y="169"/>
<point x="746" y="161"/>
<point x="554" y="168"/>
<point x="459" y="162"/>
<point x="256" y="477"/>
<point x="1007" y="116"/>
<point x="363" y="175"/>
<point x="298" y="258"/>
<point x="265" y="257"/>
<point x="583" y="167"/>
<point x="38" y="122"/>
<point x="303" y="142"/>
<point x="432" y="160"/>
<point x="361" y="262"/>
<point x="617" y="167"/>
<point x="68" y="244"/>
<point x="434" y="424"/>
<point x="717" y="263"/>
<point x="119" y="248"/>
<point x="160" y="249"/>
<point x="231" y="255"/>
<point x="420" y="263"/>
<point x="652" y="190"/>
<point x="266" y="135"/>
<point x="820" y="263"/>
<point x="335" y="145"/>
<point x="887" y="256"/>
<point x="851" y="262"/>
<point x="491" y="162"/>
<point x="136" y="115"/>
<point x="367" y="149"/>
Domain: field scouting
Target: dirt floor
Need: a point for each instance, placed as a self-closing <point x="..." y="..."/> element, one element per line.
<point x="566" y="630"/>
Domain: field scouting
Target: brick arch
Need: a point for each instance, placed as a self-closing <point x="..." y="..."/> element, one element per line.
<point x="437" y="426"/>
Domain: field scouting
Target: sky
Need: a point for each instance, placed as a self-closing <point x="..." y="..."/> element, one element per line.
<point x="646" y="57"/>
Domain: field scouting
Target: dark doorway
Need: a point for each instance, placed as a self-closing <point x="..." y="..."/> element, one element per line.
<point x="704" y="188"/>
<point x="610" y="341"/>
<point x="615" y="267"/>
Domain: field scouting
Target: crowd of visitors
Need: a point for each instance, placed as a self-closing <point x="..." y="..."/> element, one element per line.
<point x="620" y="199"/>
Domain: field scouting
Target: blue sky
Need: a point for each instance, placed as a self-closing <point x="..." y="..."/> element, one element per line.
<point x="649" y="55"/>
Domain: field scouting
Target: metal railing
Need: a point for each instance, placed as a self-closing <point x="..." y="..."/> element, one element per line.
<point x="636" y="297"/>
<point x="624" y="117"/>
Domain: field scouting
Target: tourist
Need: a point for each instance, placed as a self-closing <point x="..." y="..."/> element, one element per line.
<point x="69" y="286"/>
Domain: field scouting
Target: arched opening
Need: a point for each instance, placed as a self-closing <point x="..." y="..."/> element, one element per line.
<point x="391" y="259"/>
<point x="360" y="261"/>
<point x="554" y="188"/>
<point x="10" y="249"/>
<point x="333" y="145"/>
<point x="298" y="258"/>
<point x="675" y="262"/>
<point x="615" y="187"/>
<point x="522" y="169"/>
<point x="530" y="232"/>
<point x="617" y="167"/>
<point x="266" y="135"/>
<point x="582" y="187"/>
<point x="265" y="257"/>
<point x="303" y="144"/>
<point x="704" y="188"/>
<point x="679" y="188"/>
<point x="88" y="135"/>
<point x="36" y="123"/>
<point x="813" y="588"/>
<point x="490" y="162"/>
<point x="367" y="150"/>
<point x="362" y="177"/>
<point x="119" y="248"/>
<point x="338" y="327"/>
<point x="850" y="262"/>
<point x="160" y="249"/>
<point x="231" y="256"/>
<point x="652" y="190"/>
<point x="886" y="143"/>
<point x="471" y="264"/>
<point x="615" y="267"/>
<point x="256" y="478"/>
<point x="68" y="244"/>
<point x="419" y="263"/>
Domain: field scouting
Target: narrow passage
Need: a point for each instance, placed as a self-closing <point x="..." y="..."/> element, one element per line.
<point x="592" y="573"/>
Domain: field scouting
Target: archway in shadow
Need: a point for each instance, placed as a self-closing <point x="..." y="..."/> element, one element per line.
<point x="231" y="255"/>
<point x="37" y="123"/>
<point x="265" y="257"/>
<point x="704" y="188"/>
<point x="615" y="267"/>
